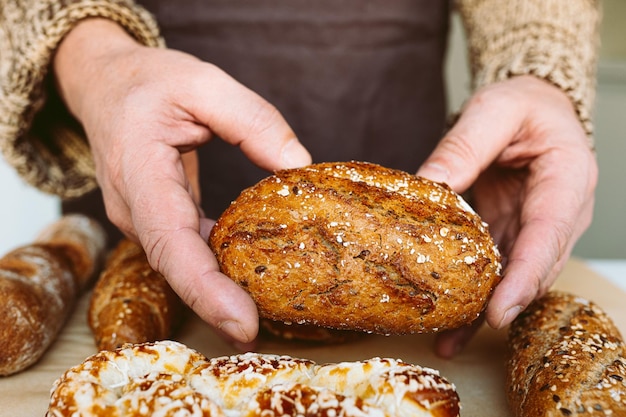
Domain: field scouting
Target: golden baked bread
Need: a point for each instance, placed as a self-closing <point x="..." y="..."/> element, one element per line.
<point x="566" y="358"/>
<point x="39" y="285"/>
<point x="357" y="246"/>
<point x="168" y="378"/>
<point x="304" y="333"/>
<point x="131" y="302"/>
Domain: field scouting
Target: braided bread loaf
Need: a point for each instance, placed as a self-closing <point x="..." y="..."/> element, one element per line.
<point x="168" y="378"/>
<point x="131" y="302"/>
<point x="356" y="246"/>
<point x="39" y="285"/>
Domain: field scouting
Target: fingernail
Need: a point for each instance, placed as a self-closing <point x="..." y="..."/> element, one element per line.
<point x="294" y="155"/>
<point x="435" y="172"/>
<point x="510" y="315"/>
<point x="233" y="329"/>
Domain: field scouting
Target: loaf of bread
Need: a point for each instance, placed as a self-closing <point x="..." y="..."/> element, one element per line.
<point x="169" y="379"/>
<point x="131" y="302"/>
<point x="566" y="358"/>
<point x="39" y="285"/>
<point x="357" y="246"/>
<point x="304" y="333"/>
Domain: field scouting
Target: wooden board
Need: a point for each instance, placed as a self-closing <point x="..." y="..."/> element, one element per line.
<point x="477" y="372"/>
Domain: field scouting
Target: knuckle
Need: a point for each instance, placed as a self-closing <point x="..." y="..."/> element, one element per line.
<point x="494" y="95"/>
<point x="461" y="147"/>
<point x="562" y="231"/>
<point x="118" y="215"/>
<point x="189" y="296"/>
<point x="262" y="117"/>
<point x="156" y="245"/>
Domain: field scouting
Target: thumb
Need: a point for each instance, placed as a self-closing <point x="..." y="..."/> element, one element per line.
<point x="483" y="130"/>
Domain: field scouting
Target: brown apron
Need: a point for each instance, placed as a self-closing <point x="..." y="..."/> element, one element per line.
<point x="355" y="79"/>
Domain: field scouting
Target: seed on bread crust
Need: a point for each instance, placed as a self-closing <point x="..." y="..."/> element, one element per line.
<point x="358" y="246"/>
<point x="566" y="357"/>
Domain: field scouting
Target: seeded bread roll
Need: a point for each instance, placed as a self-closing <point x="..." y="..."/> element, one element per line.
<point x="131" y="302"/>
<point x="305" y="333"/>
<point x="566" y="358"/>
<point x="39" y="285"/>
<point x="357" y="246"/>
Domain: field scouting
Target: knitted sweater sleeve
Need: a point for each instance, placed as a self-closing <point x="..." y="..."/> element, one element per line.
<point x="556" y="40"/>
<point x="38" y="137"/>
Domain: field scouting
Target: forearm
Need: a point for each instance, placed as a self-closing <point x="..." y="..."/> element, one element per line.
<point x="37" y="136"/>
<point x="556" y="40"/>
<point x="88" y="49"/>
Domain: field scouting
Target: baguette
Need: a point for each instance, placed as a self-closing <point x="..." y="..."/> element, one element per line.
<point x="131" y="302"/>
<point x="566" y="358"/>
<point x="39" y="285"/>
<point x="356" y="246"/>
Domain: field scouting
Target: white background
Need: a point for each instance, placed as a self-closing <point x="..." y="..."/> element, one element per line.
<point x="24" y="211"/>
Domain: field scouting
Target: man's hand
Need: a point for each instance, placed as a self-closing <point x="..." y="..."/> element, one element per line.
<point x="145" y="111"/>
<point x="520" y="147"/>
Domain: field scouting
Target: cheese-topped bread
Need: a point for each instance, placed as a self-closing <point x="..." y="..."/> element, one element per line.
<point x="169" y="379"/>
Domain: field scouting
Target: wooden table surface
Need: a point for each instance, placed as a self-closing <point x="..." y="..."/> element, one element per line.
<point x="477" y="372"/>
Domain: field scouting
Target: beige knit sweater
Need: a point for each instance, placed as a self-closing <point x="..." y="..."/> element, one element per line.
<point x="556" y="40"/>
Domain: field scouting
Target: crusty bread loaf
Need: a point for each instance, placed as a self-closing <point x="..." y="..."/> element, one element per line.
<point x="169" y="379"/>
<point x="566" y="358"/>
<point x="131" y="302"/>
<point x="39" y="284"/>
<point x="304" y="333"/>
<point x="360" y="247"/>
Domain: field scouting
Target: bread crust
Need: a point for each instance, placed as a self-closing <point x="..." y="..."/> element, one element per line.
<point x="305" y="333"/>
<point x="39" y="285"/>
<point x="566" y="357"/>
<point x="358" y="246"/>
<point x="168" y="378"/>
<point x="131" y="302"/>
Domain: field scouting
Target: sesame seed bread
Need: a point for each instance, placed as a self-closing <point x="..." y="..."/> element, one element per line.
<point x="356" y="246"/>
<point x="131" y="302"/>
<point x="39" y="285"/>
<point x="167" y="378"/>
<point x="566" y="358"/>
<point x="305" y="333"/>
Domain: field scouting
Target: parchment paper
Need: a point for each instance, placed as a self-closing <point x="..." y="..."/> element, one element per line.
<point x="477" y="372"/>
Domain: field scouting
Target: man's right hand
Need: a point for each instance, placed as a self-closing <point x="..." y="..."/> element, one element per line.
<point x="143" y="109"/>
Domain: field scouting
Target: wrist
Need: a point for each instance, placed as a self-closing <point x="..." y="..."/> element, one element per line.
<point x="82" y="55"/>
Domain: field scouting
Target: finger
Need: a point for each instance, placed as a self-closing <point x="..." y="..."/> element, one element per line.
<point x="205" y="228"/>
<point x="551" y="222"/>
<point x="190" y="165"/>
<point x="485" y="127"/>
<point x="240" y="346"/>
<point x="450" y="343"/>
<point x="191" y="269"/>
<point x="194" y="274"/>
<point x="118" y="213"/>
<point x="248" y="121"/>
<point x="169" y="228"/>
